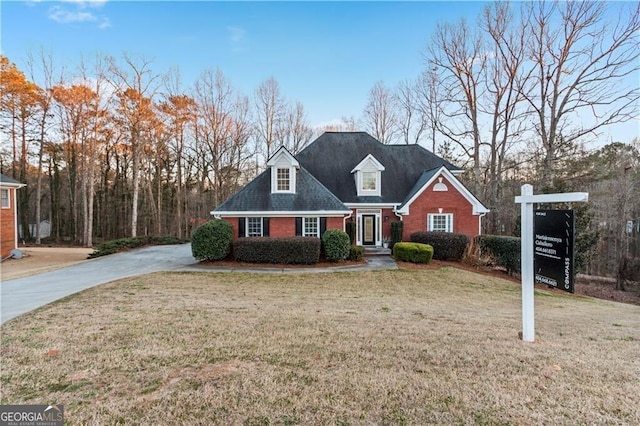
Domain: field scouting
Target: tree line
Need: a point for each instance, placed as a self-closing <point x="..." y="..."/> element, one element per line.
<point x="114" y="149"/>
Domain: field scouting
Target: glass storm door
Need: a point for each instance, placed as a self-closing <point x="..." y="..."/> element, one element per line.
<point x="368" y="230"/>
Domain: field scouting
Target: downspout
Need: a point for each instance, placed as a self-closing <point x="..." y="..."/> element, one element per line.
<point x="344" y="220"/>
<point x="480" y="222"/>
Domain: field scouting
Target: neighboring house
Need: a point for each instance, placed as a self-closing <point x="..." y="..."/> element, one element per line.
<point x="351" y="176"/>
<point x="8" y="215"/>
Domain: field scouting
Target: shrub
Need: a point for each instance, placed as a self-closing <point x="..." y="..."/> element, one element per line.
<point x="289" y="250"/>
<point x="504" y="250"/>
<point x="413" y="252"/>
<point x="124" y="244"/>
<point x="351" y="230"/>
<point x="356" y="252"/>
<point x="446" y="245"/>
<point x="396" y="233"/>
<point x="212" y="240"/>
<point x="336" y="245"/>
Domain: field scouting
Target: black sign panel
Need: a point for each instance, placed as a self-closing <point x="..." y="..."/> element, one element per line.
<point x="553" y="259"/>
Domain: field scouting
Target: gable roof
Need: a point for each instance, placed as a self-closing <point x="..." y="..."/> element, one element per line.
<point x="256" y="197"/>
<point x="428" y="177"/>
<point x="333" y="156"/>
<point x="6" y="181"/>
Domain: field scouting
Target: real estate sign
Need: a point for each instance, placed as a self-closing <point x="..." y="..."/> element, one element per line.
<point x="553" y="257"/>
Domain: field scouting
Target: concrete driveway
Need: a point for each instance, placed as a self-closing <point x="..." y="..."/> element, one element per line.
<point x="23" y="295"/>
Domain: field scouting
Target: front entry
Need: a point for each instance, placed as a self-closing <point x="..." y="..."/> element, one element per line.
<point x="368" y="230"/>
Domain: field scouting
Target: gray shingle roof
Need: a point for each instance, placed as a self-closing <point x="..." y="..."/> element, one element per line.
<point x="332" y="156"/>
<point x="424" y="178"/>
<point x="310" y="195"/>
<point x="8" y="180"/>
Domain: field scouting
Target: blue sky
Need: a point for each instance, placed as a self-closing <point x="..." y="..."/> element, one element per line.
<point x="326" y="55"/>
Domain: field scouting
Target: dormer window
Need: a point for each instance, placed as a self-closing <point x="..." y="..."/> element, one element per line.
<point x="369" y="181"/>
<point x="368" y="176"/>
<point x="283" y="180"/>
<point x="283" y="167"/>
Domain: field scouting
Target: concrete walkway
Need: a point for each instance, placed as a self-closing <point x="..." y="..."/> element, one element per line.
<point x="23" y="295"/>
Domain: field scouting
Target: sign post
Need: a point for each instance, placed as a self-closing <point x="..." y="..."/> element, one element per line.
<point x="526" y="201"/>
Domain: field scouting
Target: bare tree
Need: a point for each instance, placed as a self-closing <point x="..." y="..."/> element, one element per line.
<point x="428" y="99"/>
<point x="295" y="132"/>
<point x="43" y="64"/>
<point x="270" y="110"/>
<point x="581" y="67"/>
<point x="412" y="120"/>
<point x="135" y="85"/>
<point x="458" y="56"/>
<point x="380" y="116"/>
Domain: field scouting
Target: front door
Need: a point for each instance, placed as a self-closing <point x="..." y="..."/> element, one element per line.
<point x="368" y="230"/>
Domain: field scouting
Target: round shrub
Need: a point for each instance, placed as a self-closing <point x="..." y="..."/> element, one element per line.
<point x="413" y="252"/>
<point x="336" y="244"/>
<point x="212" y="240"/>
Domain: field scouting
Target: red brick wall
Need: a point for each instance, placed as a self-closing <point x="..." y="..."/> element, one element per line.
<point x="451" y="201"/>
<point x="8" y="226"/>
<point x="286" y="226"/>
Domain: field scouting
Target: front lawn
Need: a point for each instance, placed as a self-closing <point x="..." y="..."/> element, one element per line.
<point x="395" y="347"/>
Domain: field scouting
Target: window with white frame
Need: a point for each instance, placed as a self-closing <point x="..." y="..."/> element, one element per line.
<point x="283" y="182"/>
<point x="310" y="227"/>
<point x="254" y="227"/>
<point x="369" y="181"/>
<point x="442" y="222"/>
<point x="5" y="198"/>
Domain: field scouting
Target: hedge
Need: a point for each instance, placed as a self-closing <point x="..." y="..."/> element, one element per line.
<point x="350" y="227"/>
<point x="396" y="233"/>
<point x="356" y="252"/>
<point x="336" y="245"/>
<point x="446" y="245"/>
<point x="288" y="250"/>
<point x="212" y="240"/>
<point x="413" y="252"/>
<point x="505" y="251"/>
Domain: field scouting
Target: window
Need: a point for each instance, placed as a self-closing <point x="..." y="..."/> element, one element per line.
<point x="254" y="227"/>
<point x="440" y="222"/>
<point x="283" y="179"/>
<point x="310" y="227"/>
<point x="5" y="199"/>
<point x="369" y="180"/>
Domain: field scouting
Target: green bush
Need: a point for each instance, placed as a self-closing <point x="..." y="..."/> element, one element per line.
<point x="446" y="245"/>
<point x="336" y="245"/>
<point x="124" y="244"/>
<point x="212" y="240"/>
<point x="505" y="251"/>
<point x="396" y="233"/>
<point x="413" y="252"/>
<point x="351" y="230"/>
<point x="288" y="250"/>
<point x="356" y="252"/>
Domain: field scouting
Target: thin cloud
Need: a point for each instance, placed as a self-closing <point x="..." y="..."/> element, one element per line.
<point x="86" y="3"/>
<point x="78" y="11"/>
<point x="236" y="34"/>
<point x="63" y="16"/>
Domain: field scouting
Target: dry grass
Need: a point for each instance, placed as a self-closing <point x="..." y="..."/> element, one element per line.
<point x="397" y="347"/>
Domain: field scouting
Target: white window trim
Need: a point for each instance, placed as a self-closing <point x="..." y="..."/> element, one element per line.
<point x="368" y="164"/>
<point x="246" y="226"/>
<point x="274" y="180"/>
<point x="449" y="221"/>
<point x="8" y="206"/>
<point x="288" y="169"/>
<point x="304" y="226"/>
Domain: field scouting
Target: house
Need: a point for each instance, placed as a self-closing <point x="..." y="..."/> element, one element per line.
<point x="351" y="176"/>
<point x="8" y="215"/>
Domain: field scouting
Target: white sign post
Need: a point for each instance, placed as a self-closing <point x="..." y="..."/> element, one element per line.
<point x="526" y="201"/>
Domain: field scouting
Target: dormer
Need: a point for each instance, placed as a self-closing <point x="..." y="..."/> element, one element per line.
<point x="283" y="167"/>
<point x="368" y="176"/>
